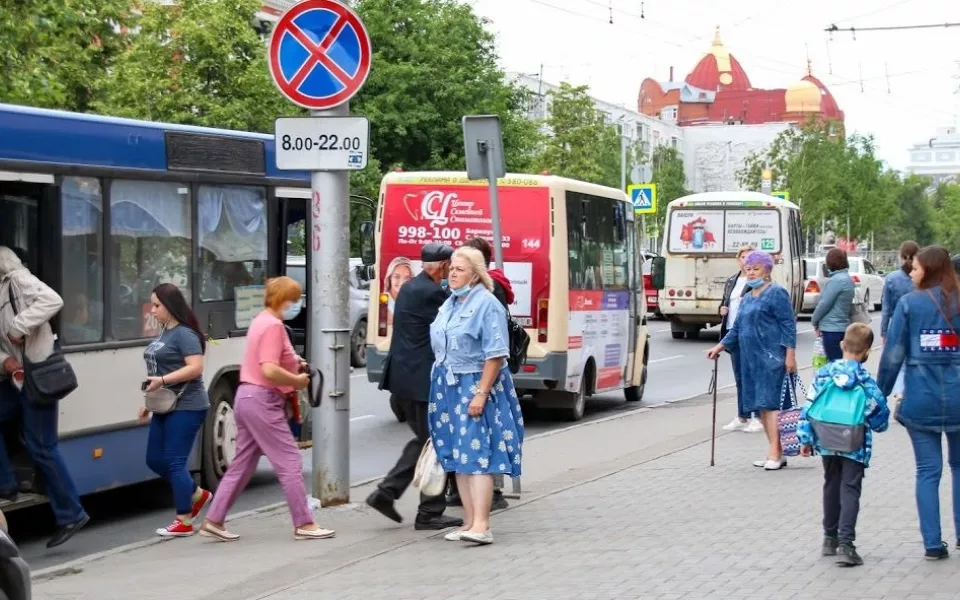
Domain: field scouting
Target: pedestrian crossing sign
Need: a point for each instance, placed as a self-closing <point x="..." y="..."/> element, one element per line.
<point x="644" y="198"/>
<point x="783" y="195"/>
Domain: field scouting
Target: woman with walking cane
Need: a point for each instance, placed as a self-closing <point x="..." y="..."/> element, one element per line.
<point x="765" y="333"/>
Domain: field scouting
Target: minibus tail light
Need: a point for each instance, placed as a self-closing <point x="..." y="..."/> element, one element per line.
<point x="382" y="315"/>
<point x="543" y="314"/>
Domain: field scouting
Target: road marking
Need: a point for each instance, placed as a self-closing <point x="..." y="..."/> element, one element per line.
<point x="356" y="375"/>
<point x="362" y="417"/>
<point x="666" y="358"/>
<point x="805" y="331"/>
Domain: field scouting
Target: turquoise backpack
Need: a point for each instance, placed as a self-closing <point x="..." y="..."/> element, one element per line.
<point x="838" y="418"/>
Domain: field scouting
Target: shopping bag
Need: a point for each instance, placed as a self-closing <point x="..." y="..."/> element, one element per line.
<point x="429" y="476"/>
<point x="819" y="354"/>
<point x="789" y="416"/>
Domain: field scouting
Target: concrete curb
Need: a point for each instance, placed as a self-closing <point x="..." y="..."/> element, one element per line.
<point x="76" y="566"/>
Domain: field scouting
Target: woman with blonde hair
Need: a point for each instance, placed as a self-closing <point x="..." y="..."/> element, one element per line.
<point x="399" y="271"/>
<point x="474" y="413"/>
<point x="270" y="370"/>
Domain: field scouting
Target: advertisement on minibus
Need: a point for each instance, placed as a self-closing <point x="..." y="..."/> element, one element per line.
<point x="419" y="213"/>
<point x="723" y="231"/>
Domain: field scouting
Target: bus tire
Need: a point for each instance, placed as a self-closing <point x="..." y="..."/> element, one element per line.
<point x="358" y="345"/>
<point x="677" y="335"/>
<point x="219" y="435"/>
<point x="634" y="393"/>
<point x="578" y="399"/>
<point x="693" y="334"/>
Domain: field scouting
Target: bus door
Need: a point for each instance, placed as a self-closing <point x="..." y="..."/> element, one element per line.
<point x="793" y="262"/>
<point x="630" y="233"/>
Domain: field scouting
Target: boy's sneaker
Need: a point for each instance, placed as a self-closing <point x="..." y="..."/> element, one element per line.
<point x="754" y="426"/>
<point x="847" y="556"/>
<point x="176" y="529"/>
<point x="937" y="553"/>
<point x="205" y="498"/>
<point x="735" y="425"/>
<point x="829" y="546"/>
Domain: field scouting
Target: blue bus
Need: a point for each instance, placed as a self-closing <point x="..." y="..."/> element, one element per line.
<point x="104" y="209"/>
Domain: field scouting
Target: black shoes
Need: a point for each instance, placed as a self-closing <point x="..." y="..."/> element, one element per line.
<point x="938" y="553"/>
<point x="379" y="502"/>
<point x="436" y="522"/>
<point x="847" y="555"/>
<point x="830" y="545"/>
<point x="64" y="533"/>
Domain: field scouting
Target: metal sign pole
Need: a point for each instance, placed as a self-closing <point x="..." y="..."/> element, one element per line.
<point x="487" y="150"/>
<point x="329" y="330"/>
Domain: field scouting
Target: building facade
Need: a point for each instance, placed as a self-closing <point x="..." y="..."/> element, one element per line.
<point x="937" y="158"/>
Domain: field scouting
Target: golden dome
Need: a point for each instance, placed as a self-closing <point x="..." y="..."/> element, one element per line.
<point x="804" y="96"/>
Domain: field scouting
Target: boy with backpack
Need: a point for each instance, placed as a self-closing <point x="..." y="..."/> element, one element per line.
<point x="843" y="407"/>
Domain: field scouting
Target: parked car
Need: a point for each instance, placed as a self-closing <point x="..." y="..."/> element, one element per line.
<point x="14" y="571"/>
<point x="358" y="303"/>
<point x="868" y="289"/>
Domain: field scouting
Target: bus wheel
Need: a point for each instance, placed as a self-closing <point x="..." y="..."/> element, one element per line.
<point x="677" y="335"/>
<point x="634" y="393"/>
<point x="219" y="435"/>
<point x="693" y="334"/>
<point x="358" y="345"/>
<point x="579" y="399"/>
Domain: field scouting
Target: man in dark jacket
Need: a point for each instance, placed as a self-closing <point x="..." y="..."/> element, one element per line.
<point x="406" y="373"/>
<point x="503" y="292"/>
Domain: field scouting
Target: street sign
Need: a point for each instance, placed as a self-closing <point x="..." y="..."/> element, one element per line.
<point x="783" y="195"/>
<point x="483" y="148"/>
<point x="319" y="54"/>
<point x="322" y="143"/>
<point x="644" y="198"/>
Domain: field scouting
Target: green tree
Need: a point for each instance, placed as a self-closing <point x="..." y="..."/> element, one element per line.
<point x="54" y="51"/>
<point x="946" y="205"/>
<point x="434" y="62"/>
<point x="581" y="144"/>
<point x="667" y="167"/>
<point x="198" y="62"/>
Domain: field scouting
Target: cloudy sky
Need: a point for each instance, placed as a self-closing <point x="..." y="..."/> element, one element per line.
<point x="897" y="85"/>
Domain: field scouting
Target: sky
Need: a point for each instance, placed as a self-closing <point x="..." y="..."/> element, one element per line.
<point x="898" y="86"/>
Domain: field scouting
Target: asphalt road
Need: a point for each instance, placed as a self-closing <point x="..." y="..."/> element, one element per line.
<point x="678" y="370"/>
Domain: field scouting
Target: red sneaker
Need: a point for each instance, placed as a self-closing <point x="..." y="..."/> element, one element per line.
<point x="176" y="529"/>
<point x="205" y="498"/>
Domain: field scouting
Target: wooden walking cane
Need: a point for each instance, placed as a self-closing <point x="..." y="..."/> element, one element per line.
<point x="713" y="425"/>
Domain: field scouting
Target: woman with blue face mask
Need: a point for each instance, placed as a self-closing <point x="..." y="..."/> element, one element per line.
<point x="765" y="334"/>
<point x="270" y="371"/>
<point x="473" y="410"/>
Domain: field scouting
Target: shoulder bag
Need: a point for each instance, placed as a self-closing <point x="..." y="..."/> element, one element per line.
<point x="47" y="381"/>
<point x="163" y="400"/>
<point x="429" y="476"/>
<point x="859" y="311"/>
<point x="789" y="416"/>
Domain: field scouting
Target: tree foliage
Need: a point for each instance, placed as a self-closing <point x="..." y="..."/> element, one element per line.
<point x="670" y="179"/>
<point x="198" y="62"/>
<point x="433" y="63"/>
<point x="580" y="144"/>
<point x="54" y="52"/>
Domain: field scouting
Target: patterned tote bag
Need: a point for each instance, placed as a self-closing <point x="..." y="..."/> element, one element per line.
<point x="789" y="416"/>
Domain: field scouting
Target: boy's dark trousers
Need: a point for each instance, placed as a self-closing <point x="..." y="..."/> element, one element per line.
<point x="842" y="484"/>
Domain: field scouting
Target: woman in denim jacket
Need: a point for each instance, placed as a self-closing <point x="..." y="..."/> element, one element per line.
<point x="922" y="338"/>
<point x="895" y="286"/>
<point x="474" y="413"/>
<point x="832" y="314"/>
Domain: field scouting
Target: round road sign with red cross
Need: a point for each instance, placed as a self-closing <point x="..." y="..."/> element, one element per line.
<point x="319" y="54"/>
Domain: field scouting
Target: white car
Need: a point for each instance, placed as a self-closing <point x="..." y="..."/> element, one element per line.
<point x="869" y="279"/>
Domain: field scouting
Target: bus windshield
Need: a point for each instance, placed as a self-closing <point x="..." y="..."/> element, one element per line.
<point x="720" y="230"/>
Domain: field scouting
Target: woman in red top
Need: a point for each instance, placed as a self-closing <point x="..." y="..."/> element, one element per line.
<point x="270" y="370"/>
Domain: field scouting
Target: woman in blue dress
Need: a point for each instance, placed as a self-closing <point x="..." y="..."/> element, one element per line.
<point x="765" y="334"/>
<point x="474" y="413"/>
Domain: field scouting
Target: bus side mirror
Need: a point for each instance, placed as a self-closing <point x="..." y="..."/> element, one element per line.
<point x="364" y="272"/>
<point x="658" y="271"/>
<point x="368" y="254"/>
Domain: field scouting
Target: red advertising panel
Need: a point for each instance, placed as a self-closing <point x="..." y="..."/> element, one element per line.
<point x="416" y="214"/>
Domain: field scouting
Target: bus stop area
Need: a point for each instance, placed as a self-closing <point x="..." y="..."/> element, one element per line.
<point x="625" y="507"/>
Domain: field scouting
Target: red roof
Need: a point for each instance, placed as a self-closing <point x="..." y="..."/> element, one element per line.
<point x="828" y="105"/>
<point x="719" y="70"/>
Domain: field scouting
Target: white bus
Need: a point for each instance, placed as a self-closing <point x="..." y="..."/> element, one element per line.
<point x="571" y="253"/>
<point x="704" y="232"/>
<point x="105" y="209"/>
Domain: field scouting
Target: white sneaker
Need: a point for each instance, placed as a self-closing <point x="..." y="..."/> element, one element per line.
<point x="735" y="425"/>
<point x="754" y="426"/>
<point x="770" y="465"/>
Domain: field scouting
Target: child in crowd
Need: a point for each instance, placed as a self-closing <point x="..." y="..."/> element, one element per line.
<point x="843" y="406"/>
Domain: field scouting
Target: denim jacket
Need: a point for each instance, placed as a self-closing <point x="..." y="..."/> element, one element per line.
<point x="833" y="311"/>
<point x="920" y="340"/>
<point x="895" y="286"/>
<point x="467" y="333"/>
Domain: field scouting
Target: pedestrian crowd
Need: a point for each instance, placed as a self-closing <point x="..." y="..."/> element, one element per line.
<point x="919" y="372"/>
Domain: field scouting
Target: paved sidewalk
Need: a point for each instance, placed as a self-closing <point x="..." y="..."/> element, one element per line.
<point x="623" y="509"/>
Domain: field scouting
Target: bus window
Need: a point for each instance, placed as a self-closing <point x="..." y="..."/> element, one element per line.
<point x="232" y="231"/>
<point x="150" y="238"/>
<point x="575" y="239"/>
<point x="19" y="221"/>
<point x="620" y="251"/>
<point x="81" y="260"/>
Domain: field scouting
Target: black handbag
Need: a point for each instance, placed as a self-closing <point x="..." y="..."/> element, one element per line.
<point x="50" y="380"/>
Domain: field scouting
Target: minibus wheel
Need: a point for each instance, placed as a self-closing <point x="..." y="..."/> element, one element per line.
<point x="219" y="435"/>
<point x="578" y="399"/>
